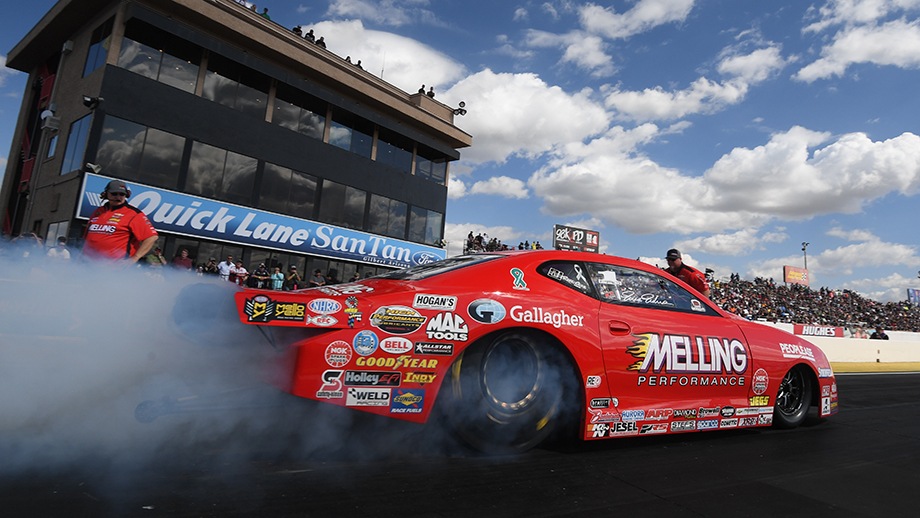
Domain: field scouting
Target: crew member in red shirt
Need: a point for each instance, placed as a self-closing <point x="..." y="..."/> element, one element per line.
<point x="117" y="230"/>
<point x="691" y="276"/>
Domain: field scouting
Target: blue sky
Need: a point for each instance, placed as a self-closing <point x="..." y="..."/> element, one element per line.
<point x="733" y="130"/>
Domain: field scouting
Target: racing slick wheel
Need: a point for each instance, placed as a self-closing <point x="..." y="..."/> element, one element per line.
<point x="510" y="392"/>
<point x="793" y="399"/>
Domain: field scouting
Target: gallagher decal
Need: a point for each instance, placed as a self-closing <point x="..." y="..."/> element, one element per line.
<point x="679" y="360"/>
<point x="486" y="311"/>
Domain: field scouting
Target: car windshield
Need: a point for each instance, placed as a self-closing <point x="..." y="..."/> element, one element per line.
<point x="423" y="271"/>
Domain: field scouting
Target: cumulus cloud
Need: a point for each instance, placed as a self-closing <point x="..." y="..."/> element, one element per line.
<point x="503" y="186"/>
<point x="393" y="13"/>
<point x="896" y="43"/>
<point x="856" y="12"/>
<point x="585" y="51"/>
<point x="737" y="243"/>
<point x="643" y="16"/>
<point x="5" y="73"/>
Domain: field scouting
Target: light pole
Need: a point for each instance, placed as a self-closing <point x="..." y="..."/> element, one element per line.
<point x="805" y="252"/>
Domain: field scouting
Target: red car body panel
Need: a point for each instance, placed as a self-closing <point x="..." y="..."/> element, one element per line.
<point x="386" y="346"/>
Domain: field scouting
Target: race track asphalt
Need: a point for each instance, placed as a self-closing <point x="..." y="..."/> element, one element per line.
<point x="862" y="462"/>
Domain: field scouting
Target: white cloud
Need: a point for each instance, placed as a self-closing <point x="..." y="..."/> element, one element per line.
<point x="755" y="67"/>
<point x="385" y="12"/>
<point x="892" y="288"/>
<point x="852" y="235"/>
<point x="456" y="189"/>
<point x="737" y="243"/>
<point x="857" y="12"/>
<point x="503" y="186"/>
<point x="703" y="96"/>
<point x="643" y="16"/>
<point x="585" y="51"/>
<point x="896" y="43"/>
<point x="5" y="72"/>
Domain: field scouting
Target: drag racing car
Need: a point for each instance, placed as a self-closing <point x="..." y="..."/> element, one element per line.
<point x="509" y="348"/>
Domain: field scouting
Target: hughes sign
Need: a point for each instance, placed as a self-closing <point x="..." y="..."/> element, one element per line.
<point x="187" y="215"/>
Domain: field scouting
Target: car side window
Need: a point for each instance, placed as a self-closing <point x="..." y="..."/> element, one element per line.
<point x="570" y="274"/>
<point x="621" y="285"/>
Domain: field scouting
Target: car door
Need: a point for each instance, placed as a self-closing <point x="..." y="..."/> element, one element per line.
<point x="665" y="349"/>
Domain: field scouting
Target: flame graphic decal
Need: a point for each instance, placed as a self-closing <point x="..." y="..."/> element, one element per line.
<point x="639" y="349"/>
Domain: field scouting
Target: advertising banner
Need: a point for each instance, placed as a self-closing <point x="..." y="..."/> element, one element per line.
<point x="193" y="216"/>
<point x="807" y="330"/>
<point x="572" y="238"/>
<point x="793" y="275"/>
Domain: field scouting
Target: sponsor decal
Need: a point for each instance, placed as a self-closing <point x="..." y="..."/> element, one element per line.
<point x="557" y="319"/>
<point x="760" y="382"/>
<point x="372" y="379"/>
<point x="797" y="352"/>
<point x="599" y="430"/>
<point x="428" y="301"/>
<point x="685" y="413"/>
<point x="620" y="429"/>
<point x="604" y="416"/>
<point x="338" y="354"/>
<point x="580" y="283"/>
<point x="765" y="419"/>
<point x="259" y="309"/>
<point x="728" y="411"/>
<point x="344" y="289"/>
<point x="332" y="385"/>
<point x="632" y="415"/>
<point x="351" y="309"/>
<point x="728" y="423"/>
<point x="808" y="330"/>
<point x="408" y="401"/>
<point x="825" y="372"/>
<point x="683" y="426"/>
<point x="707" y="424"/>
<point x="709" y="412"/>
<point x="693" y="361"/>
<point x="519" y="283"/>
<point x="600" y="402"/>
<point x="324" y="306"/>
<point x="826" y="390"/>
<point x="399" y="362"/>
<point x="747" y="411"/>
<point x="322" y="320"/>
<point x="421" y="378"/>
<point x="654" y="428"/>
<point x="593" y="381"/>
<point x="397" y="320"/>
<point x="759" y="400"/>
<point x="486" y="311"/>
<point x="748" y="421"/>
<point x="447" y="326"/>
<point x="659" y="414"/>
<point x="696" y="305"/>
<point x="396" y="345"/>
<point x="825" y="406"/>
<point x="365" y="343"/>
<point x="434" y="348"/>
<point x="367" y="397"/>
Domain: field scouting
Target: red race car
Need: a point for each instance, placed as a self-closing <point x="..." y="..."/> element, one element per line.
<point x="512" y="346"/>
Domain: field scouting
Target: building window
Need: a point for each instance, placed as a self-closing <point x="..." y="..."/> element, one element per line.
<point x="156" y="54"/>
<point x="342" y="205"/>
<point x="394" y="150"/>
<point x="425" y="226"/>
<point x="387" y="217"/>
<point x="287" y="191"/>
<point x="431" y="165"/>
<point x="220" y="174"/>
<point x="76" y="145"/>
<point x="231" y="84"/>
<point x="98" y="47"/>
<point x="300" y="112"/>
<point x="135" y="152"/>
<point x="351" y="133"/>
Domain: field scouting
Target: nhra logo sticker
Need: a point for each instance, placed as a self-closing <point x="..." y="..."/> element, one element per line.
<point x="396" y="345"/>
<point x="397" y="320"/>
<point x="434" y="348"/>
<point x="426" y="301"/>
<point x="447" y="326"/>
<point x="332" y="386"/>
<point x="408" y="401"/>
<point x="365" y="343"/>
<point x="338" y="354"/>
<point x="486" y="311"/>
<point x="325" y="306"/>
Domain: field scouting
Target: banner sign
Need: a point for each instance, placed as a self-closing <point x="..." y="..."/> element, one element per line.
<point x="572" y="238"/>
<point x="193" y="216"/>
<point x="913" y="296"/>
<point x="793" y="275"/>
<point x="807" y="330"/>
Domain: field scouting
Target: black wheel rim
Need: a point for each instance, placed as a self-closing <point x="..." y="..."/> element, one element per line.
<point x="791" y="396"/>
<point x="511" y="376"/>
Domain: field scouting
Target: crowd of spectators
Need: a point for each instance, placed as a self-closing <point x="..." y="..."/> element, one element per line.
<point x="764" y="299"/>
<point x="483" y="243"/>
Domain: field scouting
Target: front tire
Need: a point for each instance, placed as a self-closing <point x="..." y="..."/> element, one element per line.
<point x="793" y="399"/>
<point x="509" y="393"/>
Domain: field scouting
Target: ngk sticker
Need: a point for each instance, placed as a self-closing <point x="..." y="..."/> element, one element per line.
<point x="338" y="354"/>
<point x="760" y="383"/>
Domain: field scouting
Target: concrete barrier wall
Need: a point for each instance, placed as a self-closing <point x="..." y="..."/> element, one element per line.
<point x="872" y="351"/>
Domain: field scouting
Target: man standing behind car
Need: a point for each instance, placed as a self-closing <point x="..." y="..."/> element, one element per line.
<point x="691" y="276"/>
<point x="116" y="230"/>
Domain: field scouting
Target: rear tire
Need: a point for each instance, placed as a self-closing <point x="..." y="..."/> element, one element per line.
<point x="509" y="393"/>
<point x="793" y="399"/>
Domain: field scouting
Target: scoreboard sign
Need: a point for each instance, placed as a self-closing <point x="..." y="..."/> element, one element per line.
<point x="572" y="238"/>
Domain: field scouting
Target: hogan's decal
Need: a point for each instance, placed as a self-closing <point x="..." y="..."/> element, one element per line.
<point x="679" y="360"/>
<point x="428" y="301"/>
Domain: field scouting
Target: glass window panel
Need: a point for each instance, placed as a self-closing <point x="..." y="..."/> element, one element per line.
<point x="394" y="150"/>
<point x="332" y="203"/>
<point x="431" y="165"/>
<point x="396" y="226"/>
<point x="162" y="159"/>
<point x="359" y="139"/>
<point x="239" y="178"/>
<point x="179" y="73"/>
<point x="287" y="114"/>
<point x="251" y="101"/>
<point x="417" y="223"/>
<point x="303" y="195"/>
<point x="433" y="224"/>
<point x="312" y="124"/>
<point x="275" y="189"/>
<point x="99" y="47"/>
<point x="340" y="136"/>
<point x="355" y="201"/>
<point x="377" y="214"/>
<point x="120" y="147"/>
<point x="76" y="145"/>
<point x="219" y="89"/>
<point x="139" y="58"/>
<point x="205" y="170"/>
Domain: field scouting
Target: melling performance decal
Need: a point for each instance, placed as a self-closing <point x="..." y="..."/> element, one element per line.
<point x="263" y="309"/>
<point x="681" y="360"/>
<point x="397" y="320"/>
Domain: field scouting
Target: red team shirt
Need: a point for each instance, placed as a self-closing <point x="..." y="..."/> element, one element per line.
<point x="693" y="277"/>
<point x="116" y="233"/>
